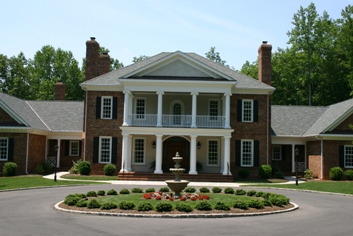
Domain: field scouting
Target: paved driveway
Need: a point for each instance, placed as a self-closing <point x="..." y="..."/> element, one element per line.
<point x="31" y="212"/>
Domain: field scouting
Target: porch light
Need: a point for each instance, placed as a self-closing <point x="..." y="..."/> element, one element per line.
<point x="56" y="159"/>
<point x="154" y="144"/>
<point x="198" y="145"/>
<point x="296" y="152"/>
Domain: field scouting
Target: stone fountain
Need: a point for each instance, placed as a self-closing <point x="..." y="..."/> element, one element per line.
<point x="177" y="185"/>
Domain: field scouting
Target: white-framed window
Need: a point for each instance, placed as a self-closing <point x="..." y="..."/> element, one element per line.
<point x="107" y="107"/>
<point x="4" y="149"/>
<point x="348" y="156"/>
<point x="140" y="106"/>
<point x="247" y="153"/>
<point x="277" y="153"/>
<point x="105" y="149"/>
<point x="247" y="112"/>
<point x="74" y="148"/>
<point x="213" y="152"/>
<point x="139" y="151"/>
<point x="213" y="112"/>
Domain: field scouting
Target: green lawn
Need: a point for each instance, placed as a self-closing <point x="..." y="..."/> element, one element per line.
<point x="89" y="177"/>
<point x="19" y="182"/>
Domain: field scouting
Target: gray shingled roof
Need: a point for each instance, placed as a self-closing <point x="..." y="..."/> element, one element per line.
<point x="47" y="115"/>
<point x="112" y="78"/>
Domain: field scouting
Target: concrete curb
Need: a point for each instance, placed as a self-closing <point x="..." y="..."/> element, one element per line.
<point x="178" y="216"/>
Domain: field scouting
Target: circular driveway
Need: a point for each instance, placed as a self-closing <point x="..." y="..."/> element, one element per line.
<point x="31" y="212"/>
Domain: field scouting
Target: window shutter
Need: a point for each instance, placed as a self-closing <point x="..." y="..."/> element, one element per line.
<point x="115" y="109"/>
<point x="11" y="149"/>
<point x="67" y="148"/>
<point x="238" y="152"/>
<point x="256" y="153"/>
<point x="283" y="155"/>
<point x="239" y="110"/>
<point x="114" y="149"/>
<point x="98" y="107"/>
<point x="341" y="156"/>
<point x="95" y="149"/>
<point x="256" y="111"/>
<point x="79" y="148"/>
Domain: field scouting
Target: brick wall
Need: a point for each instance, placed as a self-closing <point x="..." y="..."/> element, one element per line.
<point x="19" y="152"/>
<point x="36" y="152"/>
<point x="315" y="165"/>
<point x="6" y="119"/>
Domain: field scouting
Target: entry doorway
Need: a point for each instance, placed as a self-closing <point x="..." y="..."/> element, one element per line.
<point x="170" y="147"/>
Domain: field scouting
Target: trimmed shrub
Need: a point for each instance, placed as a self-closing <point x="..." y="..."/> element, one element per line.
<point x="278" y="175"/>
<point x="308" y="174"/>
<point x="241" y="204"/>
<point x="72" y="199"/>
<point x="91" y="194"/>
<point x="216" y="190"/>
<point x="126" y="205"/>
<point x="221" y="206"/>
<point x="189" y="190"/>
<point x="81" y="203"/>
<point x="124" y="191"/>
<point x="164" y="190"/>
<point x="145" y="206"/>
<point x="137" y="190"/>
<point x="109" y="169"/>
<point x="93" y="203"/>
<point x="259" y="194"/>
<point x="150" y="190"/>
<point x="42" y="167"/>
<point x="278" y="199"/>
<point x="10" y="169"/>
<point x="243" y="173"/>
<point x="229" y="190"/>
<point x="265" y="171"/>
<point x="108" y="206"/>
<point x="240" y="192"/>
<point x="100" y="192"/>
<point x="336" y="173"/>
<point x="164" y="206"/>
<point x="256" y="203"/>
<point x="348" y="174"/>
<point x="251" y="193"/>
<point x="112" y="192"/>
<point x="84" y="167"/>
<point x="203" y="206"/>
<point x="74" y="168"/>
<point x="184" y="207"/>
<point x="267" y="203"/>
<point x="204" y="190"/>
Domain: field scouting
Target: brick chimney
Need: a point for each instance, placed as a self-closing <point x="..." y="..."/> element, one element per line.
<point x="92" y="58"/>
<point x="104" y="63"/>
<point x="60" y="91"/>
<point x="265" y="64"/>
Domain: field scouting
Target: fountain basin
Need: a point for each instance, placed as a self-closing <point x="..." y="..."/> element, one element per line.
<point x="177" y="186"/>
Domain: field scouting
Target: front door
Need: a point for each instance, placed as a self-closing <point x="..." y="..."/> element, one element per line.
<point x="170" y="147"/>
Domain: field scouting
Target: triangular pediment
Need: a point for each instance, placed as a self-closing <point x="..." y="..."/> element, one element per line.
<point x="8" y="119"/>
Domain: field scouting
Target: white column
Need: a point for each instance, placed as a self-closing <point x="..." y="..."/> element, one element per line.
<point x="227" y="111"/>
<point x="158" y="168"/>
<point x="160" y="103"/>
<point x="129" y="156"/>
<point x="194" y="109"/>
<point x="293" y="158"/>
<point x="226" y="155"/>
<point x="58" y="154"/>
<point x="126" y="107"/>
<point x="193" y="155"/>
<point x="125" y="153"/>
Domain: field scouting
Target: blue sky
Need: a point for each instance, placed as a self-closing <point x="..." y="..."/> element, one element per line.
<point x="146" y="27"/>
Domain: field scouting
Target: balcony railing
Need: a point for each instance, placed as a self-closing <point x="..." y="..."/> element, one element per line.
<point x="181" y="121"/>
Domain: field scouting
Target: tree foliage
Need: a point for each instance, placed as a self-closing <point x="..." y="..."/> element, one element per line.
<point x="214" y="56"/>
<point x="140" y="58"/>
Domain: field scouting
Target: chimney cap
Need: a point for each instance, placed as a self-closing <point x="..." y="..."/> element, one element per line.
<point x="264" y="42"/>
<point x="93" y="38"/>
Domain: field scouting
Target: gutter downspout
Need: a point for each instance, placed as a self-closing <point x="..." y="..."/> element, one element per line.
<point x="85" y="128"/>
<point x="268" y="126"/>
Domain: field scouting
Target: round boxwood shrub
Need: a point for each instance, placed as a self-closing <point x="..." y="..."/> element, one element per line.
<point x="137" y="190"/>
<point x="164" y="190"/>
<point x="189" y="190"/>
<point x="108" y="206"/>
<point x="150" y="190"/>
<point x="278" y="199"/>
<point x="265" y="171"/>
<point x="72" y="199"/>
<point x="145" y="206"/>
<point x="204" y="190"/>
<point x="251" y="193"/>
<point x="112" y="192"/>
<point x="84" y="167"/>
<point x="241" y="204"/>
<point x="256" y="203"/>
<point x="100" y="192"/>
<point x="81" y="203"/>
<point x="243" y="173"/>
<point x="93" y="203"/>
<point x="124" y="191"/>
<point x="183" y="207"/>
<point x="336" y="173"/>
<point x="229" y="190"/>
<point x="91" y="194"/>
<point x="216" y="190"/>
<point x="203" y="206"/>
<point x="126" y="205"/>
<point x="259" y="194"/>
<point x="10" y="169"/>
<point x="164" y="206"/>
<point x="348" y="174"/>
<point x="240" y="192"/>
<point x="109" y="169"/>
<point x="221" y="206"/>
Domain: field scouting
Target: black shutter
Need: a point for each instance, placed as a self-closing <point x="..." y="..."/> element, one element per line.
<point x="114" y="150"/>
<point x="238" y="152"/>
<point x="80" y="148"/>
<point x="95" y="149"/>
<point x="239" y="110"/>
<point x="98" y="107"/>
<point x="256" y="153"/>
<point x="256" y="111"/>
<point x="283" y="153"/>
<point x="115" y="109"/>
<point x="11" y="149"/>
<point x="341" y="156"/>
<point x="67" y="148"/>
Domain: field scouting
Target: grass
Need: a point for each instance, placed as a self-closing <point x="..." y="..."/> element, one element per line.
<point x="21" y="182"/>
<point x="89" y="177"/>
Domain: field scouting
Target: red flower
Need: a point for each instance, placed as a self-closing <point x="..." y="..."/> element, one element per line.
<point x="183" y="198"/>
<point x="146" y="196"/>
<point x="206" y="197"/>
<point x="193" y="198"/>
<point x="171" y="199"/>
<point x="158" y="198"/>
